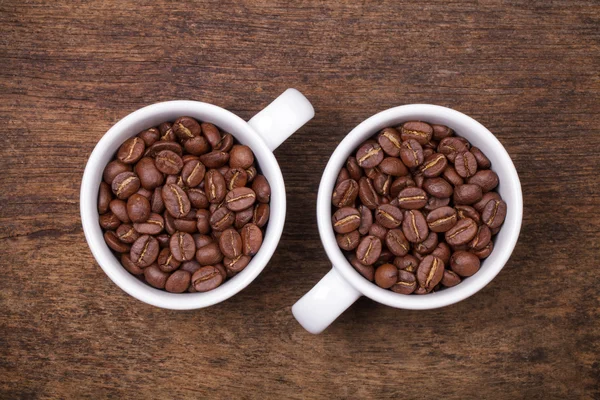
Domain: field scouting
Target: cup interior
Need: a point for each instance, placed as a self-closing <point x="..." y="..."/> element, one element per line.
<point x="509" y="188"/>
<point x="151" y="116"/>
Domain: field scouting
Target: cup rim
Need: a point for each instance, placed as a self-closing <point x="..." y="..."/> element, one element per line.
<point x="129" y="126"/>
<point x="490" y="267"/>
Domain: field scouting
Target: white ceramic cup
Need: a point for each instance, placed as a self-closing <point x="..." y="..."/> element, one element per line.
<point x="342" y="286"/>
<point x="263" y="134"/>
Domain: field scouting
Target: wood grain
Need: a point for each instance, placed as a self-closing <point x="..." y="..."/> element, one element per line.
<point x="528" y="70"/>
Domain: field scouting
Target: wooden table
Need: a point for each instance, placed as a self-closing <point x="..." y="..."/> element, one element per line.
<point x="528" y="70"/>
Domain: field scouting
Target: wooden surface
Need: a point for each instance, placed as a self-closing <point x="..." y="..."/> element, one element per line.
<point x="528" y="70"/>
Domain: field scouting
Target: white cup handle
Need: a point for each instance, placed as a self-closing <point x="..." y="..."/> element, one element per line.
<point x="326" y="301"/>
<point x="284" y="116"/>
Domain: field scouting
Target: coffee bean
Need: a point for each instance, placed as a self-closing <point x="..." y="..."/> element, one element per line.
<point x="464" y="263"/>
<point x="345" y="193"/>
<point x="192" y="173"/>
<point x="193" y="266"/>
<point x="155" y="277"/>
<point x="434" y="165"/>
<point x="138" y="208"/>
<point x="482" y="161"/>
<point x="127" y="234"/>
<point x="396" y="242"/>
<point x="486" y="179"/>
<point x="366" y="219"/>
<point x="342" y="176"/>
<point x="481" y="239"/>
<point x="368" y="250"/>
<point x="438" y="187"/>
<point x="386" y="276"/>
<point x="401" y="183"/>
<point x="182" y="246"/>
<point x="209" y="254"/>
<point x="407" y="263"/>
<point x="353" y="168"/>
<point x="378" y="231"/>
<point x="230" y="243"/>
<point x="241" y="157"/>
<point x="186" y="127"/>
<point x="236" y="177"/>
<point x="346" y="220"/>
<point x="211" y="133"/>
<point x="201" y="240"/>
<point x="166" y="261"/>
<point x="393" y="166"/>
<point x="125" y="184"/>
<point x="381" y="184"/>
<point x="188" y="224"/>
<point x="348" y="241"/>
<point x="175" y="200"/>
<point x="198" y="198"/>
<point x="150" y="176"/>
<point x="480" y="205"/>
<point x="441" y="132"/>
<point x="430" y="272"/>
<point x="443" y="252"/>
<point x="203" y="221"/>
<point x="156" y="202"/>
<point x="178" y="282"/>
<point x="434" y="203"/>
<point x="207" y="278"/>
<point x="240" y="199"/>
<point x="215" y="186"/>
<point x="367" y="271"/>
<point x="485" y="252"/>
<point x="261" y="214"/>
<point x="145" y="193"/>
<point x="465" y="164"/>
<point x="109" y="221"/>
<point x="422" y="132"/>
<point x="130" y="266"/>
<point x="494" y="213"/>
<point x="166" y="132"/>
<point x="236" y="264"/>
<point x="243" y="217"/>
<point x="467" y="194"/>
<point x="411" y="153"/>
<point x="390" y="141"/>
<point x="462" y="233"/>
<point x="252" y="239"/>
<point x="226" y="143"/>
<point x="144" y="251"/>
<point x="450" y="278"/>
<point x="214" y="159"/>
<point x="463" y="212"/>
<point x="162" y="146"/>
<point x="131" y="151"/>
<point x="414" y="226"/>
<point x="112" y="240"/>
<point x="168" y="162"/>
<point x="428" y="245"/>
<point x="388" y="216"/>
<point x="197" y="145"/>
<point x="222" y="219"/>
<point x="369" y="155"/>
<point x="412" y="198"/>
<point x="104" y="197"/>
<point x="451" y="146"/>
<point x="450" y="175"/>
<point x="367" y="194"/>
<point x="406" y="284"/>
<point x="442" y="219"/>
<point x="113" y="169"/>
<point x="163" y="240"/>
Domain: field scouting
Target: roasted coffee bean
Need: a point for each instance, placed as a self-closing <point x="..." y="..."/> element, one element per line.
<point x="236" y="264"/>
<point x="197" y="145"/>
<point x="166" y="262"/>
<point x="178" y="282"/>
<point x="386" y="276"/>
<point x="230" y="243"/>
<point x="150" y="176"/>
<point x="367" y="194"/>
<point x="138" y="208"/>
<point x="412" y="198"/>
<point x="401" y="183"/>
<point x="378" y="231"/>
<point x="127" y="234"/>
<point x="414" y="226"/>
<point x="125" y="184"/>
<point x="366" y="219"/>
<point x="467" y="194"/>
<point x="162" y="146"/>
<point x="109" y="221"/>
<point x="186" y="128"/>
<point x="385" y="257"/>
<point x="201" y="240"/>
<point x="438" y="187"/>
<point x="433" y="203"/>
<point x="345" y="193"/>
<point x="367" y="271"/>
<point x="430" y="272"/>
<point x="427" y="152"/>
<point x="464" y="263"/>
<point x="462" y="233"/>
<point x="145" y="193"/>
<point x="182" y="246"/>
<point x="203" y="221"/>
<point x="144" y="251"/>
<point x="348" y="241"/>
<point x="463" y="212"/>
<point x="443" y="252"/>
<point x="419" y="179"/>
<point x="371" y="173"/>
<point x="482" y="161"/>
<point x="155" y="277"/>
<point x="163" y="240"/>
<point x="168" y="162"/>
<point x="114" y="168"/>
<point x="481" y="239"/>
<point x="368" y="250"/>
<point x="241" y="157"/>
<point x="342" y="176"/>
<point x="130" y="266"/>
<point x="226" y="143"/>
<point x="221" y="219"/>
<point x="393" y="166"/>
<point x="422" y="132"/>
<point x="428" y="245"/>
<point x="408" y="263"/>
<point x="442" y="219"/>
<point x="452" y="176"/>
<point x="450" y="278"/>
<point x="494" y="213"/>
<point x="193" y="266"/>
<point x="215" y="186"/>
<point x="451" y="146"/>
<point x="209" y="254"/>
<point x="353" y="168"/>
<point x="388" y="216"/>
<point x="261" y="214"/>
<point x="215" y="159"/>
<point x="104" y="197"/>
<point x="187" y="224"/>
<point x="236" y="177"/>
<point x="211" y="133"/>
<point x="198" y="198"/>
<point x="389" y="139"/>
<point x="485" y="252"/>
<point x="207" y="278"/>
<point x="369" y="155"/>
<point x="434" y="165"/>
<point x="441" y="132"/>
<point x="486" y="179"/>
<point x="192" y="173"/>
<point x="131" y="151"/>
<point x="381" y="184"/>
<point x="480" y="205"/>
<point x="465" y="164"/>
<point x="243" y="217"/>
<point x="411" y="153"/>
<point x="166" y="132"/>
<point x="156" y="202"/>
<point x="346" y="220"/>
<point x="396" y="242"/>
<point x="175" y="200"/>
<point x="240" y="199"/>
<point x="252" y="239"/>
<point x="406" y="284"/>
<point x="112" y="240"/>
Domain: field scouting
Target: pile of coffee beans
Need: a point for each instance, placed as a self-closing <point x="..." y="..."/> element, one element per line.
<point x="183" y="206"/>
<point x="415" y="208"/>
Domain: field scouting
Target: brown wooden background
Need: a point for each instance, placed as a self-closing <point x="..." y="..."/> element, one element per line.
<point x="528" y="70"/>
